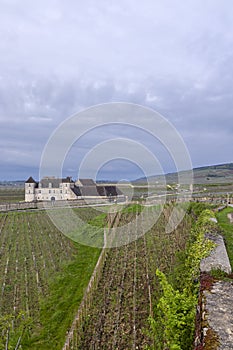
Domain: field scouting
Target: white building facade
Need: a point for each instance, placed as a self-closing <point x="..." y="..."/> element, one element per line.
<point x="49" y="188"/>
<point x="55" y="189"/>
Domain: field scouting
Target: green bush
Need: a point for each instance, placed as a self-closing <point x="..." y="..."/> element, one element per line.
<point x="173" y="324"/>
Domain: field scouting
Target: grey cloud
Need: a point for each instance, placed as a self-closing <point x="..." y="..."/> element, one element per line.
<point x="58" y="58"/>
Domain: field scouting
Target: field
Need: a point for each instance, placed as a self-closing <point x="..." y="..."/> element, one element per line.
<point x="128" y="290"/>
<point x="11" y="195"/>
<point x="43" y="276"/>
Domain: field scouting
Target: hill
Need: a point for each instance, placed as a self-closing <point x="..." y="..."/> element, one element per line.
<point x="213" y="174"/>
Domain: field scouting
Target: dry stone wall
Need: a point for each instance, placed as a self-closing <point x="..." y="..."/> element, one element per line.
<point x="216" y="312"/>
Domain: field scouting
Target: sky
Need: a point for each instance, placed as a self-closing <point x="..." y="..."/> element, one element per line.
<point x="60" y="57"/>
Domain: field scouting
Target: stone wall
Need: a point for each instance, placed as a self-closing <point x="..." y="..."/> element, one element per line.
<point x="214" y="313"/>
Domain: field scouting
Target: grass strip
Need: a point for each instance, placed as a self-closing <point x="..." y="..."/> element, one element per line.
<point x="227" y="231"/>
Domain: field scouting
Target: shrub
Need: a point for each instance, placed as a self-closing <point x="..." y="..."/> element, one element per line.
<point x="173" y="325"/>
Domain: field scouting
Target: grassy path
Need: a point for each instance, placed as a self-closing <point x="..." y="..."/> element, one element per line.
<point x="227" y="231"/>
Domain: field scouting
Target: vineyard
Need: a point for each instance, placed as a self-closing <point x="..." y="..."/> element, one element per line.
<point x="11" y="195"/>
<point x="43" y="276"/>
<point x="128" y="289"/>
<point x="45" y="302"/>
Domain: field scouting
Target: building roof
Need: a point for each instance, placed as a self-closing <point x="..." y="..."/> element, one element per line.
<point x="112" y="191"/>
<point x="101" y="190"/>
<point x="87" y="182"/>
<point x="89" y="191"/>
<point x="96" y="191"/>
<point x="55" y="182"/>
<point x="76" y="190"/>
<point x="30" y="180"/>
<point x="68" y="179"/>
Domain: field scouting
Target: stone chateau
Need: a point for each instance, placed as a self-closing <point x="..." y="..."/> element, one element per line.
<point x="55" y="189"/>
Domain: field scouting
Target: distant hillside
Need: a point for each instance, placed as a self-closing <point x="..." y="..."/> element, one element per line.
<point x="213" y="174"/>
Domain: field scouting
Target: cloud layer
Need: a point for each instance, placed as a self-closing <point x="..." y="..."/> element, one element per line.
<point x="58" y="57"/>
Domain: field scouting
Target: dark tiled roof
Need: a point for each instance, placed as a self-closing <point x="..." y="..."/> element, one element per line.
<point x="55" y="182"/>
<point x="101" y="190"/>
<point x="76" y="190"/>
<point x="67" y="180"/>
<point x="87" y="182"/>
<point x="89" y="191"/>
<point x="109" y="191"/>
<point x="30" y="180"/>
<point x="95" y="191"/>
<point x="112" y="191"/>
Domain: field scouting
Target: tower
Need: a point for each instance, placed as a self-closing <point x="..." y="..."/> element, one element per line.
<point x="30" y="186"/>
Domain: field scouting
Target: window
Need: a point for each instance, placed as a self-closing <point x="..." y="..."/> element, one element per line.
<point x="49" y="191"/>
<point x="39" y="191"/>
<point x="60" y="191"/>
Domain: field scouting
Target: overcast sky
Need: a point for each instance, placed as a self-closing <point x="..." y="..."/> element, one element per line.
<point x="60" y="57"/>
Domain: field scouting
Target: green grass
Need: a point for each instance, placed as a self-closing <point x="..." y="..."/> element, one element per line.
<point x="66" y="292"/>
<point x="227" y="231"/>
